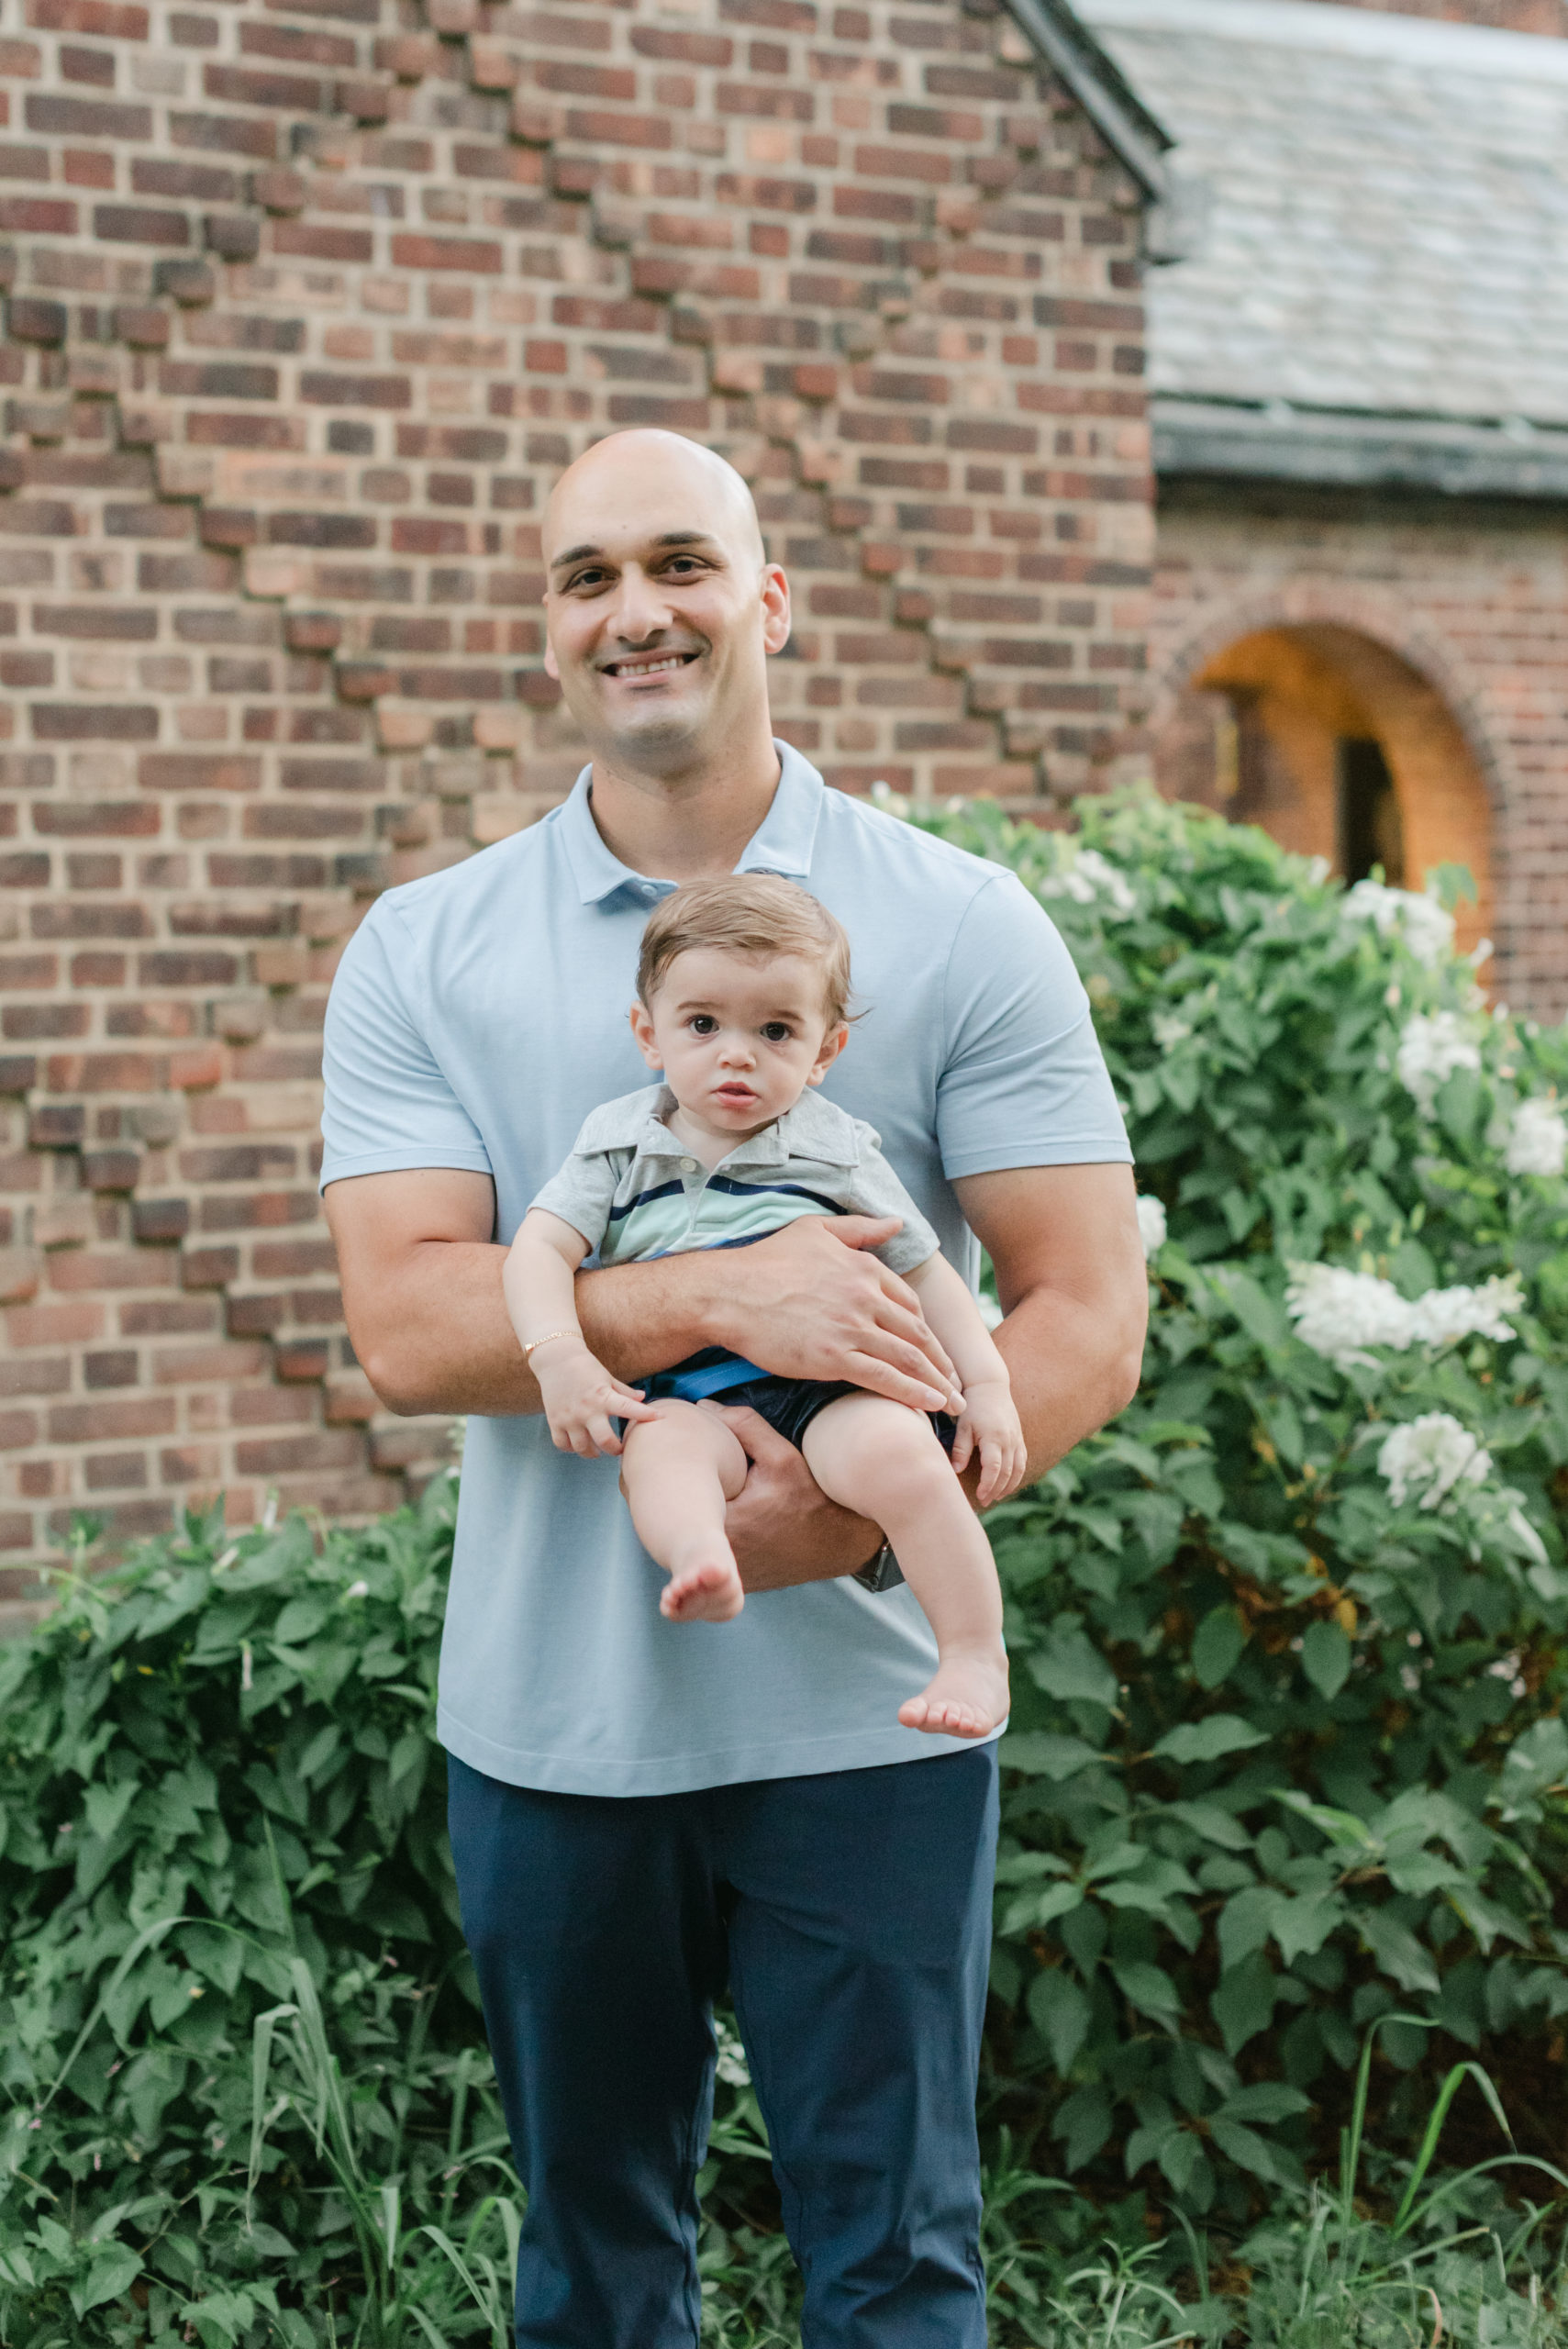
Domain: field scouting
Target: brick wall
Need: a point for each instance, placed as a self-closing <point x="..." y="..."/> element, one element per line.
<point x="1464" y="611"/>
<point x="306" y="304"/>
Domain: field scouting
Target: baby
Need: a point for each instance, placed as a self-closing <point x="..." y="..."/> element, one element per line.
<point x="742" y="991"/>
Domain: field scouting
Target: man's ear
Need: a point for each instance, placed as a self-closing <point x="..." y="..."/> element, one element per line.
<point x="647" y="1042"/>
<point x="551" y="665"/>
<point x="775" y="608"/>
<point x="833" y="1043"/>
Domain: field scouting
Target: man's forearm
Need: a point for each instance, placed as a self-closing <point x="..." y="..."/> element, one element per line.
<point x="635" y="1318"/>
<point x="1070" y="1372"/>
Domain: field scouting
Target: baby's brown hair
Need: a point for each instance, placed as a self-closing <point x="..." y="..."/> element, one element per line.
<point x="746" y="913"/>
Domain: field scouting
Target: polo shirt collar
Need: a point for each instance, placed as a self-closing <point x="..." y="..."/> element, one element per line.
<point x="816" y="1128"/>
<point x="782" y="843"/>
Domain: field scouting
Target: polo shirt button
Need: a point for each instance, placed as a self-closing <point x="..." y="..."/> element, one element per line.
<point x="688" y="1166"/>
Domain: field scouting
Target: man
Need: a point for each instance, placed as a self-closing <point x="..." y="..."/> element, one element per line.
<point x="641" y="1811"/>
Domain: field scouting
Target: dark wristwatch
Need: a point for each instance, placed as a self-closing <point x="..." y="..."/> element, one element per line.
<point x="883" y="1572"/>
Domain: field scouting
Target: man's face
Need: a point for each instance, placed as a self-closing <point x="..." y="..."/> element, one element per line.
<point x="659" y="607"/>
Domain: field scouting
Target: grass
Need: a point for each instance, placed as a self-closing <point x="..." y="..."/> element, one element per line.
<point x="1388" y="2255"/>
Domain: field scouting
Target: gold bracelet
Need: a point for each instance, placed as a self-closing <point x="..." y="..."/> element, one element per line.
<point x="548" y="1337"/>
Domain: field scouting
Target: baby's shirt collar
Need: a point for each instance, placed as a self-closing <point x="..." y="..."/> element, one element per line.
<point x="814" y="1129"/>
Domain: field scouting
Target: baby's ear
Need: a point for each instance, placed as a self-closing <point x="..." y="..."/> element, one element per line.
<point x="833" y="1043"/>
<point x="643" y="1029"/>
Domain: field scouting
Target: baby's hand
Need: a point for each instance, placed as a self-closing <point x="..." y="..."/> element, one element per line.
<point x="581" y="1400"/>
<point x="988" y="1425"/>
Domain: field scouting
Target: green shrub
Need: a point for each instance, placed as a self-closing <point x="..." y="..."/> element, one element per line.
<point x="234" y="1988"/>
<point x="1285" y="1760"/>
<point x="1285" y="1754"/>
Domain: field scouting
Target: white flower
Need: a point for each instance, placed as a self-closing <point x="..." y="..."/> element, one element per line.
<point x="1151" y="1225"/>
<point x="1170" y="1029"/>
<point x="1442" y="1315"/>
<point x="1087" y="878"/>
<point x="731" y="2064"/>
<point x="1429" y="1456"/>
<point x="1431" y="1046"/>
<point x="1426" y="925"/>
<point x="1538" y="1139"/>
<point x="358" y="1590"/>
<point x="1340" y="1313"/>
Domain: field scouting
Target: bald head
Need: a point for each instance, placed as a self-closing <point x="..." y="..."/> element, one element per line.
<point x="631" y="473"/>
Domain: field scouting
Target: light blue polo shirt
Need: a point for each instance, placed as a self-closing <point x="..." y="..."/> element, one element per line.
<point x="477" y="1017"/>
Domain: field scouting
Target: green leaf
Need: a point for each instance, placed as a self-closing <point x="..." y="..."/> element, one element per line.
<point x="1216" y="1826"/>
<point x="1326" y="1658"/>
<point x="1395" y="1948"/>
<point x="114" y="2269"/>
<point x="1251" y="2152"/>
<point x="1210" y="1740"/>
<point x="1085" y="2121"/>
<point x="1033" y="1910"/>
<point x="1217" y="1645"/>
<point x="1071" y="1670"/>
<point x="1149" y="1988"/>
<point x="1243" y="2004"/>
<point x="1043" y="1755"/>
<point x="1060" y="2011"/>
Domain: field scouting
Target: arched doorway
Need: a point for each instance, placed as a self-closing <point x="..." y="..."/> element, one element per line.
<point x="1340" y="748"/>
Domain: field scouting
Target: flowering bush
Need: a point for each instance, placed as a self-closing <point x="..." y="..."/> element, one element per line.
<point x="1285" y="1755"/>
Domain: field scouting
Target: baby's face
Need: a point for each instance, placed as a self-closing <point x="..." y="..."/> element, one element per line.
<point x="737" y="1037"/>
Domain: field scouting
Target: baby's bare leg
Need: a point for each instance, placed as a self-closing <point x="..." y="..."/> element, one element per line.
<point x="884" y="1462"/>
<point x="677" y="1472"/>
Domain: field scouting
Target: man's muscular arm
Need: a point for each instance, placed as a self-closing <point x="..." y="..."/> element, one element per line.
<point x="421" y="1280"/>
<point x="1071" y="1277"/>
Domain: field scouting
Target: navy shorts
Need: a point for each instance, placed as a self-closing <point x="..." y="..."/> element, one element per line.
<point x="789" y="1405"/>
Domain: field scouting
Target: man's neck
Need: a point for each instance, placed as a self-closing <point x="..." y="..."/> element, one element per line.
<point x="684" y="827"/>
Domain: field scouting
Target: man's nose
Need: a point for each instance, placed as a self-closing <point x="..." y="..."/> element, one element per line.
<point x="641" y="607"/>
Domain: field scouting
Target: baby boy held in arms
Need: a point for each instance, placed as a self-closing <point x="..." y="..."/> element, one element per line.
<point x="743" y="989"/>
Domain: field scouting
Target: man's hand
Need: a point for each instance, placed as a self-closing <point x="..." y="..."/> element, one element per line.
<point x="811" y="1301"/>
<point x="782" y="1528"/>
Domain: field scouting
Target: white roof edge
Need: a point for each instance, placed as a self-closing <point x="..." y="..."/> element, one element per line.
<point x="1350" y="31"/>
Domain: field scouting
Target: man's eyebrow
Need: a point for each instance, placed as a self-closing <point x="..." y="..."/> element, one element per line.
<point x="665" y="539"/>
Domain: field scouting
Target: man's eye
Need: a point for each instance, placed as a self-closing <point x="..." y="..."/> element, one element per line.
<point x="590" y="579"/>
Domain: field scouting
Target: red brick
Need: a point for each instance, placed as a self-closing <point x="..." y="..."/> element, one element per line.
<point x="197" y="834"/>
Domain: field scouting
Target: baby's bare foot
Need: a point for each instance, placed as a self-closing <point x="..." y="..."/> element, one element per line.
<point x="967" y="1696"/>
<point x="708" y="1591"/>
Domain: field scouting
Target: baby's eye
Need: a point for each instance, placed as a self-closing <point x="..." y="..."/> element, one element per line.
<point x="703" y="1024"/>
<point x="777" y="1031"/>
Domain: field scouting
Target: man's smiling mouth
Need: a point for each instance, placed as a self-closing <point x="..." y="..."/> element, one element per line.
<point x="648" y="664"/>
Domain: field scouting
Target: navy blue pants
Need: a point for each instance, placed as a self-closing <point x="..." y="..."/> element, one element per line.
<point x="851" y="1916"/>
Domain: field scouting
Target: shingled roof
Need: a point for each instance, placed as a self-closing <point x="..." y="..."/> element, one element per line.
<point x="1373" y="211"/>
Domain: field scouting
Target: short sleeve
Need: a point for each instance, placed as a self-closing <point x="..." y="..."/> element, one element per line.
<point x="1025" y="1083"/>
<point x="582" y="1193"/>
<point x="876" y="1190"/>
<point x="389" y="1106"/>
